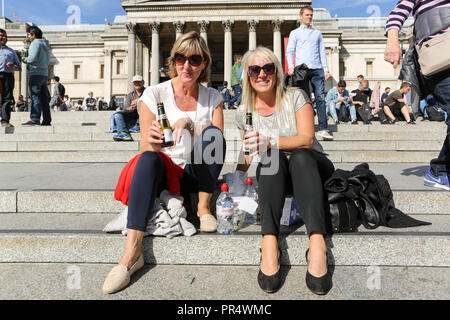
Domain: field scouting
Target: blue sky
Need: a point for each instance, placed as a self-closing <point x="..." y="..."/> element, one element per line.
<point x="47" y="12"/>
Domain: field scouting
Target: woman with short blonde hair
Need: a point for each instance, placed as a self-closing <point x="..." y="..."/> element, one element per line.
<point x="188" y="105"/>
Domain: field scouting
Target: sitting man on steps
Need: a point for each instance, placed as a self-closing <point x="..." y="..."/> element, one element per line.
<point x="129" y="117"/>
<point x="396" y="105"/>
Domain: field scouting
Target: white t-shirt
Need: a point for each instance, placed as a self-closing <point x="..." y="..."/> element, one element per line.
<point x="208" y="100"/>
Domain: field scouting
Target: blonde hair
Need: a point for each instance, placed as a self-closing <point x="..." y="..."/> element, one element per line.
<point x="248" y="92"/>
<point x="191" y="43"/>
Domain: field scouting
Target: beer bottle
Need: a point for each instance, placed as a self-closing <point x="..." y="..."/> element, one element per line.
<point x="248" y="128"/>
<point x="165" y="126"/>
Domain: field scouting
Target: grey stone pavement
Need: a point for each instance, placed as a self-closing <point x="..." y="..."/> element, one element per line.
<point x="104" y="176"/>
<point x="182" y="282"/>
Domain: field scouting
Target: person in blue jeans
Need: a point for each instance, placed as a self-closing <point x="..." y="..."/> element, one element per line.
<point x="38" y="61"/>
<point x="129" y="117"/>
<point x="439" y="85"/>
<point x="309" y="48"/>
<point x="337" y="98"/>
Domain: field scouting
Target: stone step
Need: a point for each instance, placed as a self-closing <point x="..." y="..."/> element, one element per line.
<point x="57" y="281"/>
<point x="100" y="201"/>
<point x="64" y="243"/>
<point x="20" y="146"/>
<point x="83" y="156"/>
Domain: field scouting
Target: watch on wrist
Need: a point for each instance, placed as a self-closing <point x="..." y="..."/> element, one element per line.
<point x="273" y="142"/>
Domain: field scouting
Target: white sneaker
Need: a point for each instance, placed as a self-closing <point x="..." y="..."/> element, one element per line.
<point x="325" y="135"/>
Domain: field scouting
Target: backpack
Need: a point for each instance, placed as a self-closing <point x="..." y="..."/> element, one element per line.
<point x="62" y="90"/>
<point x="343" y="114"/>
<point x="434" y="113"/>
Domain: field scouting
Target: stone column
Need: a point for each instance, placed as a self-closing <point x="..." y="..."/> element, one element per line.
<point x="131" y="54"/>
<point x="252" y="34"/>
<point x="334" y="68"/>
<point x="179" y="28"/>
<point x="276" y="25"/>
<point x="139" y="57"/>
<point x="228" y="51"/>
<point x="204" y="26"/>
<point x="107" y="74"/>
<point x="154" y="68"/>
<point x="146" y="65"/>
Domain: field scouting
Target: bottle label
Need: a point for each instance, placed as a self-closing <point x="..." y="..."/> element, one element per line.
<point x="168" y="135"/>
<point x="224" y="211"/>
<point x="162" y="117"/>
<point x="248" y="127"/>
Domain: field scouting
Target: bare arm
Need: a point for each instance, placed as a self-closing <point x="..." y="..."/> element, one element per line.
<point x="151" y="133"/>
<point x="304" y="118"/>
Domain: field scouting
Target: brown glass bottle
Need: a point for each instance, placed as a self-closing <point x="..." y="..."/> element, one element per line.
<point x="165" y="126"/>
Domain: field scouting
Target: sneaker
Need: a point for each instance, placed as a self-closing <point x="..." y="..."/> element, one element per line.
<point x="354" y="122"/>
<point x="336" y="121"/>
<point x="411" y="122"/>
<point x="123" y="136"/>
<point x="395" y="122"/>
<point x="385" y="121"/>
<point x="325" y="135"/>
<point x="431" y="180"/>
<point x="136" y="128"/>
<point x="31" y="123"/>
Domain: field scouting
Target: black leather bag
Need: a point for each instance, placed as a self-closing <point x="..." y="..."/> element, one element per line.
<point x="344" y="214"/>
<point x="343" y="114"/>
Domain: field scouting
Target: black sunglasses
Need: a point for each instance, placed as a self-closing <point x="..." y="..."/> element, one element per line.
<point x="194" y="60"/>
<point x="269" y="69"/>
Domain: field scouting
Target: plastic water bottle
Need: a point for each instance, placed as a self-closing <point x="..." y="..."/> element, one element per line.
<point x="224" y="211"/>
<point x="250" y="192"/>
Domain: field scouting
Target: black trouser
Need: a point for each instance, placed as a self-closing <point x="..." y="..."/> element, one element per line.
<point x="7" y="98"/>
<point x="440" y="87"/>
<point x="149" y="178"/>
<point x="303" y="175"/>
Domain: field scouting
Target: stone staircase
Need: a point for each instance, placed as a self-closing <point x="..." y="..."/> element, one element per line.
<point x="56" y="196"/>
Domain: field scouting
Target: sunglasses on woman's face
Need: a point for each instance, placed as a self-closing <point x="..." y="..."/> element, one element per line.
<point x="269" y="69"/>
<point x="194" y="60"/>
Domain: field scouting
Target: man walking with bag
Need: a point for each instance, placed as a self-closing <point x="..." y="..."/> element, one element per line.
<point x="431" y="23"/>
<point x="307" y="44"/>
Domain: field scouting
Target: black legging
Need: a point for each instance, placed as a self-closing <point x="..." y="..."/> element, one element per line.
<point x="149" y="177"/>
<point x="303" y="175"/>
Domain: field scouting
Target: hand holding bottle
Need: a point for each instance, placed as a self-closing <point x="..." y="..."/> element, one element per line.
<point x="255" y="142"/>
<point x="155" y="136"/>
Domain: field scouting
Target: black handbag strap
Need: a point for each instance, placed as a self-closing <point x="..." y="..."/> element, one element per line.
<point x="364" y="217"/>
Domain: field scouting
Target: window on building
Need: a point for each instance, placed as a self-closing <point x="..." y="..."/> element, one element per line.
<point x="102" y="71"/>
<point x="369" y="69"/>
<point x="119" y="67"/>
<point x="76" y="71"/>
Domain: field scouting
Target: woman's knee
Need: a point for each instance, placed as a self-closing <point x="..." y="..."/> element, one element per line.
<point x="302" y="158"/>
<point x="151" y="159"/>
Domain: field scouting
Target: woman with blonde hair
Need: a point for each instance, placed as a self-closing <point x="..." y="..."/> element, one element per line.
<point x="188" y="105"/>
<point x="292" y="162"/>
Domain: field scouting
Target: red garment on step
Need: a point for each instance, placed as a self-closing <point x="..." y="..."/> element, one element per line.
<point x="174" y="173"/>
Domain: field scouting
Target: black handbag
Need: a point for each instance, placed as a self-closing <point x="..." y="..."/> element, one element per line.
<point x="344" y="214"/>
<point x="343" y="114"/>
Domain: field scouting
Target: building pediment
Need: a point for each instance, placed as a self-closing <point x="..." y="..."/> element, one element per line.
<point x="149" y="5"/>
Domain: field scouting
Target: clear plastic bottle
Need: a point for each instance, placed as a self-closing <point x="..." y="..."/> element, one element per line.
<point x="224" y="211"/>
<point x="251" y="193"/>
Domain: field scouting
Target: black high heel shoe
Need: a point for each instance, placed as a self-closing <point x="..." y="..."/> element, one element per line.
<point x="318" y="285"/>
<point x="270" y="284"/>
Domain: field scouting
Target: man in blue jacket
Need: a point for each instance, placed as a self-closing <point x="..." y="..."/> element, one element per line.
<point x="37" y="62"/>
<point x="337" y="98"/>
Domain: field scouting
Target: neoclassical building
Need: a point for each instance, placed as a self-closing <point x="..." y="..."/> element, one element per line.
<point x="103" y="58"/>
